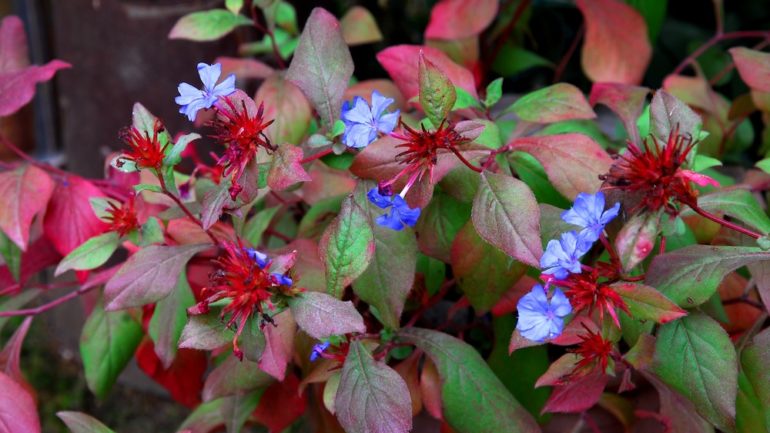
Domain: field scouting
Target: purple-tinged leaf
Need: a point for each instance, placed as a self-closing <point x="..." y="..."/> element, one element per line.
<point x="371" y="397"/>
<point x="321" y="315"/>
<point x="625" y="100"/>
<point x="667" y="113"/>
<point x="474" y="400"/>
<point x="572" y="161"/>
<point x="169" y="320"/>
<point x="18" y="412"/>
<point x="459" y="19"/>
<point x="695" y="356"/>
<point x="347" y="247"/>
<point x="753" y="66"/>
<point x="616" y="48"/>
<point x="437" y="93"/>
<point x="287" y="106"/>
<point x="207" y="25"/>
<point x="322" y="65"/>
<point x="205" y="332"/>
<point x="286" y="170"/>
<point x="558" y="370"/>
<point x="690" y="276"/>
<point x="578" y="395"/>
<point x="636" y="239"/>
<point x="25" y="191"/>
<point x="439" y="223"/>
<point x="359" y="27"/>
<point x="555" y="103"/>
<point x="387" y="280"/>
<point x="148" y="276"/>
<point x="107" y="344"/>
<point x="680" y="412"/>
<point x="646" y="303"/>
<point x="79" y="422"/>
<point x="214" y="202"/>
<point x="234" y="376"/>
<point x="505" y="214"/>
<point x="279" y="345"/>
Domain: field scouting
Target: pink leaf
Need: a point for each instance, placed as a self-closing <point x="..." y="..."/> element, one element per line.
<point x="321" y="315"/>
<point x="625" y="100"/>
<point x="18" y="412"/>
<point x="17" y="88"/>
<point x="572" y="162"/>
<point x="616" y="48"/>
<point x="69" y="220"/>
<point x="401" y="62"/>
<point x="11" y="353"/>
<point x="25" y="192"/>
<point x="279" y="345"/>
<point x="457" y="19"/>
<point x="578" y="395"/>
<point x="13" y="45"/>
<point x="286" y="169"/>
<point x="244" y="68"/>
<point x="698" y="178"/>
<point x="287" y="107"/>
<point x="753" y="66"/>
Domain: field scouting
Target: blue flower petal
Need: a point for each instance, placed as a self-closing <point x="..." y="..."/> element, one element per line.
<point x="209" y="75"/>
<point x="379" y="104"/>
<point x="541" y="319"/>
<point x="379" y="200"/>
<point x="390" y="220"/>
<point x="387" y="122"/>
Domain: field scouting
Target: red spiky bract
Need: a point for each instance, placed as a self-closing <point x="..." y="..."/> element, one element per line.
<point x="144" y="150"/>
<point x="585" y="293"/>
<point x="656" y="173"/>
<point x="593" y="351"/>
<point x="243" y="135"/>
<point x="122" y="218"/>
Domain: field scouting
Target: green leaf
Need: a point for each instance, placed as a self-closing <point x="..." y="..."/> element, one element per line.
<point x="322" y="316"/>
<point x="338" y="128"/>
<point x="207" y="25"/>
<point x="347" y="247"/>
<point x="473" y="398"/>
<point x="464" y="100"/>
<point x="505" y="214"/>
<point x="169" y="319"/>
<point x="695" y="356"/>
<point x="555" y="103"/>
<point x="288" y="107"/>
<point x="483" y="272"/>
<point x="736" y="203"/>
<point x="174" y="154"/>
<point x="15" y="302"/>
<point x="637" y="238"/>
<point x="322" y="66"/>
<point x="646" y="303"/>
<point x="513" y="60"/>
<point x="690" y="275"/>
<point x="668" y="113"/>
<point x="371" y="397"/>
<point x="234" y="6"/>
<point x="654" y="13"/>
<point x="205" y="332"/>
<point x="756" y="382"/>
<point x="437" y="93"/>
<point x="234" y="376"/>
<point x="702" y="162"/>
<point x="91" y="254"/>
<point x="107" y="344"/>
<point x="433" y="272"/>
<point x="237" y="409"/>
<point x="79" y="422"/>
<point x="359" y="27"/>
<point x="257" y="225"/>
<point x="387" y="280"/>
<point x="494" y="92"/>
<point x="11" y="254"/>
<point x="531" y="172"/>
<point x="152" y="232"/>
<point x="439" y="223"/>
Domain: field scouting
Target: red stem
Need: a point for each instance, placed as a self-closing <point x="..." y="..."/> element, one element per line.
<point x="568" y="55"/>
<point x="431" y="302"/>
<point x="719" y="37"/>
<point x="45" y="307"/>
<point x="268" y="32"/>
<point x="315" y="156"/>
<point x="465" y="161"/>
<point x="184" y="208"/>
<point x="725" y="223"/>
<point x="517" y="14"/>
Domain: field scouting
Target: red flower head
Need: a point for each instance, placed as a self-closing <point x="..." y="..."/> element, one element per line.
<point x="122" y="219"/>
<point x="656" y="174"/>
<point x="240" y="127"/>
<point x="144" y="150"/>
<point x="593" y="350"/>
<point x="420" y="151"/>
<point x="243" y="277"/>
<point x="585" y="293"/>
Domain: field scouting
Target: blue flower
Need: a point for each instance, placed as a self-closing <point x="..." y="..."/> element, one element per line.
<point x="282" y="279"/>
<point x="258" y="257"/>
<point x="588" y="212"/>
<point x="363" y="123"/>
<point x="318" y="349"/>
<point x="192" y="99"/>
<point x="562" y="257"/>
<point x="539" y="318"/>
<point x="400" y="212"/>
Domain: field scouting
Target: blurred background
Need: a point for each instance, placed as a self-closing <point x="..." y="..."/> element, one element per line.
<point x="121" y="54"/>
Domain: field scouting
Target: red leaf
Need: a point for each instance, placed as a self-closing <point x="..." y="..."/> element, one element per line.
<point x="11" y="353"/>
<point x="25" y="192"/>
<point x="457" y="19"/>
<point x="39" y="256"/>
<point x="183" y="379"/>
<point x="578" y="395"/>
<point x="244" y="68"/>
<point x="430" y="389"/>
<point x="572" y="162"/>
<point x="17" y="88"/>
<point x="279" y="345"/>
<point x="616" y="48"/>
<point x="13" y="45"/>
<point x="401" y="62"/>
<point x="18" y="412"/>
<point x="281" y="405"/>
<point x="69" y="220"/>
<point x="625" y="100"/>
<point x="286" y="169"/>
<point x="753" y="67"/>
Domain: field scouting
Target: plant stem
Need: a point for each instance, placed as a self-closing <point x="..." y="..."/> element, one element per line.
<point x="431" y="302"/>
<point x="269" y="33"/>
<point x="717" y="38"/>
<point x="184" y="208"/>
<point x="465" y="161"/>
<point x="517" y="14"/>
<point x="724" y="223"/>
<point x="315" y="156"/>
<point x="568" y="55"/>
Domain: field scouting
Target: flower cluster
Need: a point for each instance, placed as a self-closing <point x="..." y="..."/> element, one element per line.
<point x="363" y="123"/>
<point x="144" y="150"/>
<point x="122" y="219"/>
<point x="655" y="174"/>
<point x="243" y="277"/>
<point x="541" y="319"/>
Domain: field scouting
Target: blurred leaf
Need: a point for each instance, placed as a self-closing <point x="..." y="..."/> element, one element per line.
<point x="322" y="316"/>
<point x="511" y="60"/>
<point x="437" y="94"/>
<point x="457" y="19"/>
<point x="207" y="25"/>
<point x="646" y="303"/>
<point x="79" y="422"/>
<point x="359" y="27"/>
<point x="11" y="254"/>
<point x="18" y="412"/>
<point x="25" y="191"/>
<point x="169" y="319"/>
<point x="560" y="101"/>
<point x="654" y="13"/>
